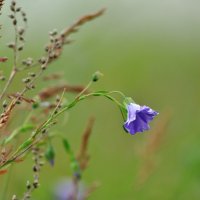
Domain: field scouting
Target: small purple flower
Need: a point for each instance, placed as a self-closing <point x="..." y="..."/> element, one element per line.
<point x="67" y="190"/>
<point x="138" y="118"/>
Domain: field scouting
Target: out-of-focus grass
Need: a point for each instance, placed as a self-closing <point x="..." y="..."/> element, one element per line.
<point x="150" y="51"/>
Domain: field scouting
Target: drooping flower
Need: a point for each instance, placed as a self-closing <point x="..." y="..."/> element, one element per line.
<point x="138" y="118"/>
<point x="68" y="190"/>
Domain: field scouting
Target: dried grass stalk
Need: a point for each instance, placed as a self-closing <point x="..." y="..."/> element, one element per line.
<point x="52" y="91"/>
<point x="83" y="156"/>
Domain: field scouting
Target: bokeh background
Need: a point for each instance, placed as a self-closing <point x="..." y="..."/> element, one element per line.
<point x="150" y="51"/>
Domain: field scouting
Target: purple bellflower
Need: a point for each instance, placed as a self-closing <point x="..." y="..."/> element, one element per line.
<point x="138" y="118"/>
<point x="66" y="190"/>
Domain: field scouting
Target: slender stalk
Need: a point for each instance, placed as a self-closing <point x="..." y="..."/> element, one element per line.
<point x="14" y="69"/>
<point x="118" y="92"/>
<point x="12" y="75"/>
<point x="84" y="90"/>
<point x="20" y="152"/>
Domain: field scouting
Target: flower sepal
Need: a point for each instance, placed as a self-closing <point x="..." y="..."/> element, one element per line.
<point x="127" y="101"/>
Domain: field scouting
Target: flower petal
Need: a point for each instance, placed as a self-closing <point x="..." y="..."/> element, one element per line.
<point x="132" y="109"/>
<point x="147" y="114"/>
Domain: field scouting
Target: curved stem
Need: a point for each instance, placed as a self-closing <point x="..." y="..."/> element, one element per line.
<point x="20" y="151"/>
<point x="115" y="91"/>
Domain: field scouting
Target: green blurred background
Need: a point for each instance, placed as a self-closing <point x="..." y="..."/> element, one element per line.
<point x="150" y="51"/>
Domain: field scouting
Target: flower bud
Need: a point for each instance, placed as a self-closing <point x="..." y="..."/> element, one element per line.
<point x="5" y="104"/>
<point x="96" y="76"/>
<point x="28" y="185"/>
<point x="11" y="45"/>
<point x="14" y="22"/>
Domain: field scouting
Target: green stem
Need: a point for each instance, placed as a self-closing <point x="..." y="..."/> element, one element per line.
<point x="25" y="146"/>
<point x="118" y="92"/>
<point x="85" y="89"/>
<point x="73" y="103"/>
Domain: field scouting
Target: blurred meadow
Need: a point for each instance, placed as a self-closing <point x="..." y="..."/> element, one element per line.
<point x="150" y="50"/>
